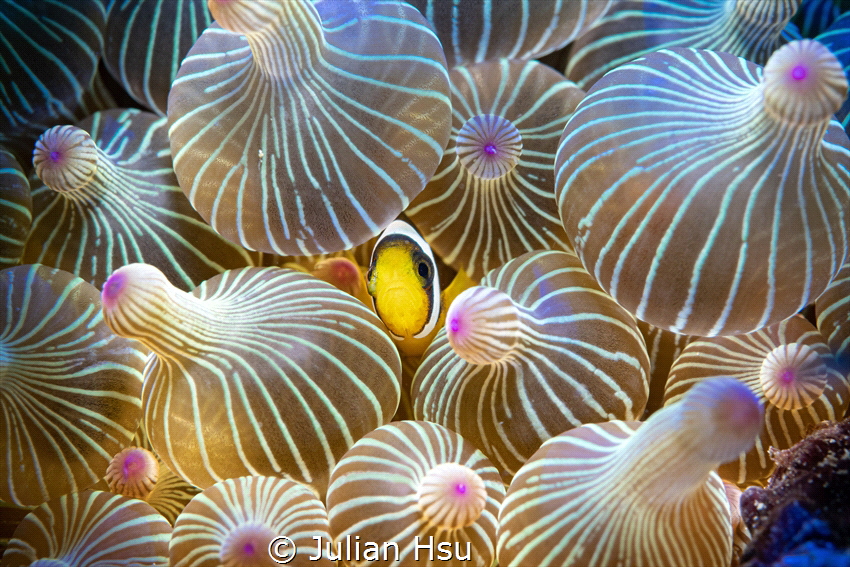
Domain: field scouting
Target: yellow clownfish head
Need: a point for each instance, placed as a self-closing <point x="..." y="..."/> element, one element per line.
<point x="403" y="282"/>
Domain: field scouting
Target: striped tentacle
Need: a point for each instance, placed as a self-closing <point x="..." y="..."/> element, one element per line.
<point x="663" y="347"/>
<point x="69" y="388"/>
<point x="492" y="198"/>
<point x="631" y="493"/>
<point x="814" y="16"/>
<point x="145" y="41"/>
<point x="837" y="39"/>
<point x="49" y="56"/>
<point x="696" y="197"/>
<point x="416" y="479"/>
<point x="259" y="371"/>
<point x="234" y="523"/>
<point x="788" y="365"/>
<point x="15" y="209"/>
<point x="748" y="29"/>
<point x="104" y="196"/>
<point x="313" y="130"/>
<point x="833" y="317"/>
<point x="90" y="528"/>
<point x="473" y="32"/>
<point x="566" y="355"/>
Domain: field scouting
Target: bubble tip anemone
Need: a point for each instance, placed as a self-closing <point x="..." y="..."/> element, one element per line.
<point x="132" y="293"/>
<point x="740" y="407"/>
<point x="127" y="278"/>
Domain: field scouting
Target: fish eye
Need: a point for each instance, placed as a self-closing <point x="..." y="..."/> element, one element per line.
<point x="424" y="270"/>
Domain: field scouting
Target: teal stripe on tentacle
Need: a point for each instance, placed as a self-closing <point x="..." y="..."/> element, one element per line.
<point x="145" y="42"/>
<point x="110" y="198"/>
<point x="15" y="209"/>
<point x="690" y="151"/>
<point x="751" y="30"/>
<point x="296" y="355"/>
<point x="649" y="484"/>
<point x="50" y="51"/>
<point x="71" y="389"/>
<point x="492" y="197"/>
<point x="488" y="30"/>
<point x="531" y="349"/>
<point x="91" y="526"/>
<point x="356" y="127"/>
<point x="412" y="479"/>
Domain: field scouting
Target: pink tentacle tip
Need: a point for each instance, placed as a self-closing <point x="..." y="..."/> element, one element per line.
<point x="134" y="463"/>
<point x="742" y="408"/>
<point x="247" y="544"/>
<point x="55" y="156"/>
<point x="454" y="324"/>
<point x="112" y="289"/>
<point x="799" y="72"/>
<point x="460" y="488"/>
<point x="787" y="377"/>
<point x="490" y="149"/>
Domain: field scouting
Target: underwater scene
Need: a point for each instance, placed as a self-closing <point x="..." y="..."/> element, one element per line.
<point x="511" y="283"/>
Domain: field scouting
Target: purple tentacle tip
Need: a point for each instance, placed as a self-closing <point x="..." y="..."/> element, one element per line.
<point x="744" y="410"/>
<point x="112" y="289"/>
<point x="799" y="72"/>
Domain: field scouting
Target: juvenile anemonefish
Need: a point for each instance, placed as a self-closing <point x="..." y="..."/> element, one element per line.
<point x="405" y="288"/>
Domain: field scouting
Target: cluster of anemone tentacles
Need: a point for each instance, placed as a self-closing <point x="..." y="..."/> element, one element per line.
<point x="645" y="207"/>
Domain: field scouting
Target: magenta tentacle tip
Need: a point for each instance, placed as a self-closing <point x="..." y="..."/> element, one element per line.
<point x="725" y="415"/>
<point x="799" y="72"/>
<point x="787" y="377"/>
<point x="742" y="407"/>
<point x="133" y="463"/>
<point x="133" y="472"/>
<point x="489" y="146"/>
<point x="112" y="289"/>
<point x="732" y="401"/>
<point x="247" y="545"/>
